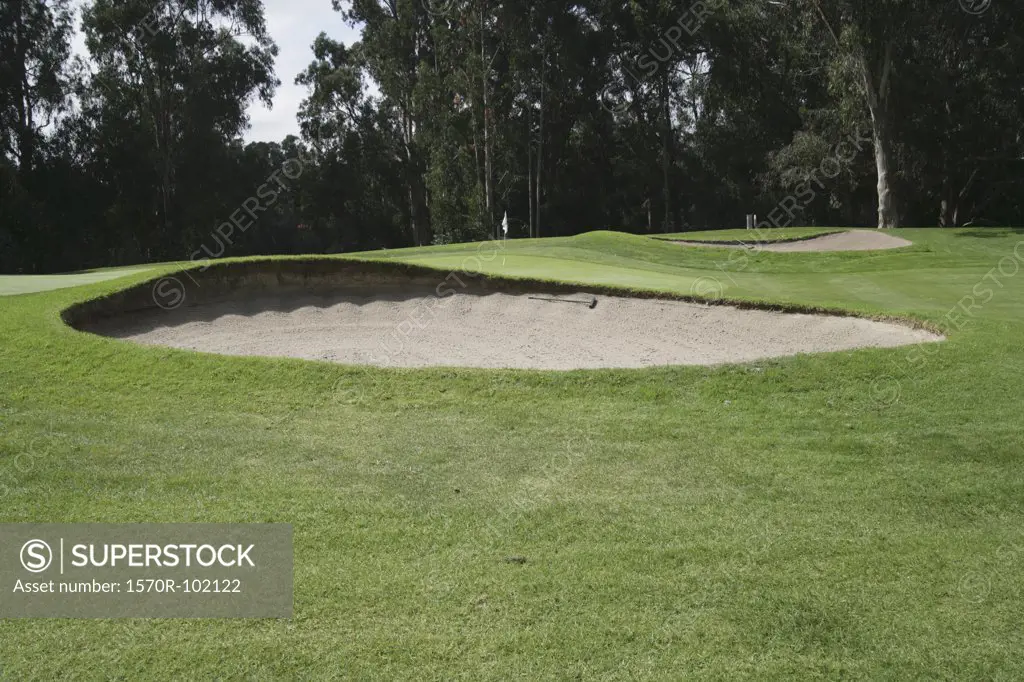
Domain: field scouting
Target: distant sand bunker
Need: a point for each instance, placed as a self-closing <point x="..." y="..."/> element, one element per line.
<point x="509" y="330"/>
<point x="851" y="240"/>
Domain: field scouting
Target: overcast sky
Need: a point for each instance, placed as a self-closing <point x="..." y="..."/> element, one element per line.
<point x="293" y="24"/>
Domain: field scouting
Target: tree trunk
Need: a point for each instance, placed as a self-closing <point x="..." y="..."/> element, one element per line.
<point x="946" y="193"/>
<point x="411" y="194"/>
<point x="477" y="164"/>
<point x="669" y="222"/>
<point x="161" y="107"/>
<point x="529" y="165"/>
<point x="166" y="162"/>
<point x="877" y="95"/>
<point x="485" y="68"/>
<point x="540" y="143"/>
<point x="945" y="211"/>
<point x="962" y="196"/>
<point x="23" y="99"/>
<point x="411" y="175"/>
<point x="888" y="213"/>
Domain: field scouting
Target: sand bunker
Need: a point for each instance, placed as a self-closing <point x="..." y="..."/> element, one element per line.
<point x="493" y="329"/>
<point x="852" y="240"/>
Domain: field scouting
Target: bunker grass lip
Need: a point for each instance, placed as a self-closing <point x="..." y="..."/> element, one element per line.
<point x="399" y="323"/>
<point x="848" y="240"/>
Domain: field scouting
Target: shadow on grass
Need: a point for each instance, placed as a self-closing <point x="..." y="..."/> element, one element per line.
<point x="989" y="232"/>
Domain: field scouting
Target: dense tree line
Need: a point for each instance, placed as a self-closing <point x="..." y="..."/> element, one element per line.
<point x="570" y="116"/>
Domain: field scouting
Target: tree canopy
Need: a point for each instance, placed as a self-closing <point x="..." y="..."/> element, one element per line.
<point x="446" y="114"/>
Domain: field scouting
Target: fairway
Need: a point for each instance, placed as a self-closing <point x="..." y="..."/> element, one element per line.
<point x="28" y="284"/>
<point x="855" y="514"/>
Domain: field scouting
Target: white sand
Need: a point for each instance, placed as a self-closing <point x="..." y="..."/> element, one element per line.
<point x="852" y="240"/>
<point x="500" y="330"/>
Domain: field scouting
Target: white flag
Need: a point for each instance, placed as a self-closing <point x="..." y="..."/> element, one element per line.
<point x="504" y="224"/>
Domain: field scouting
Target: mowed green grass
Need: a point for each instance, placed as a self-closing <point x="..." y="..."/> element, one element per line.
<point x="29" y="284"/>
<point x="856" y="515"/>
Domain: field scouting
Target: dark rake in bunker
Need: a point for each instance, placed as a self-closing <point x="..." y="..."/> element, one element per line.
<point x="590" y="304"/>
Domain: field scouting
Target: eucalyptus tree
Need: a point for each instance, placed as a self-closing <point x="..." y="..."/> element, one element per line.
<point x="870" y="46"/>
<point x="393" y="47"/>
<point x="173" y="80"/>
<point x="656" y="46"/>
<point x="356" y="191"/>
<point x="35" y="78"/>
<point x="962" y="114"/>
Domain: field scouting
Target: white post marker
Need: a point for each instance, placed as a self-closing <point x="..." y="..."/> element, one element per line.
<point x="504" y="226"/>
